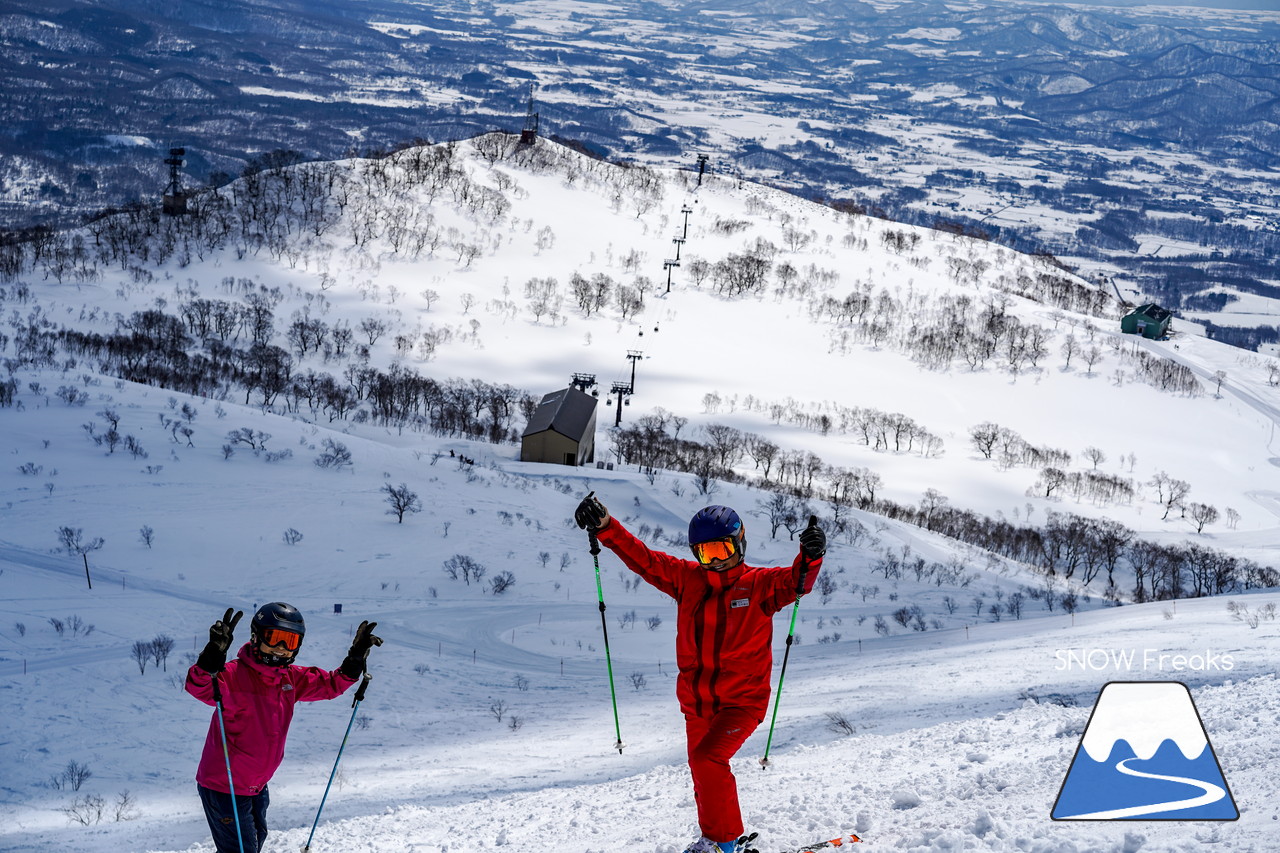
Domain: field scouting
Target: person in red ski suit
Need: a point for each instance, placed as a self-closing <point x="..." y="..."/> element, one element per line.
<point x="724" y="634"/>
<point x="257" y="690"/>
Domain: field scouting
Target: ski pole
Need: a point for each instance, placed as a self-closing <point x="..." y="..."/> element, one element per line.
<point x="791" y="633"/>
<point x="226" y="754"/>
<point x="595" y="555"/>
<point x="355" y="705"/>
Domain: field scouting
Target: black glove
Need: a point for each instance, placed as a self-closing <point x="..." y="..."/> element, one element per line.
<point x="221" y="633"/>
<point x="591" y="515"/>
<point x="353" y="666"/>
<point x="813" y="542"/>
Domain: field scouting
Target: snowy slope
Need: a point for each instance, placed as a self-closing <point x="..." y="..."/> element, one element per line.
<point x="949" y="750"/>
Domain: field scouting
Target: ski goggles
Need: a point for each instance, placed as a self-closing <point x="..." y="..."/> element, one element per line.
<point x="717" y="549"/>
<point x="277" y="637"/>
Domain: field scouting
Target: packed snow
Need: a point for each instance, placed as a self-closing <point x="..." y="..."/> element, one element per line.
<point x="488" y="723"/>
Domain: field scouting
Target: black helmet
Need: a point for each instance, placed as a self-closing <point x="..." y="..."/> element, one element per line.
<point x="275" y="623"/>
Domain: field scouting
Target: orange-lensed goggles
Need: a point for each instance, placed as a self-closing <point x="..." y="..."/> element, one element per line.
<point x="276" y="637"/>
<point x="717" y="549"/>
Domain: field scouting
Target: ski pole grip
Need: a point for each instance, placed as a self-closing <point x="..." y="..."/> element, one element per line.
<point x="804" y="563"/>
<point x="591" y="533"/>
<point x="364" y="685"/>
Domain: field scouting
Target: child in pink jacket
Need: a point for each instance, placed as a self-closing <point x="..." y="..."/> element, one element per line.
<point x="257" y="691"/>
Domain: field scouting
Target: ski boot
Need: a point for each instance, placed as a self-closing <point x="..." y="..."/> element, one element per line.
<point x="706" y="845"/>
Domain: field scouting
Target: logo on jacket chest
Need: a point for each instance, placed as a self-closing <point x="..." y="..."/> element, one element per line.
<point x="735" y="603"/>
<point x="286" y="686"/>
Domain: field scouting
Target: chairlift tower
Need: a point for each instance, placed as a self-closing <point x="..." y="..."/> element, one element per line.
<point x="667" y="265"/>
<point x="583" y="382"/>
<point x="702" y="167"/>
<point x="623" y="390"/>
<point x="532" y="121"/>
<point x="634" y="356"/>
<point x="175" y="200"/>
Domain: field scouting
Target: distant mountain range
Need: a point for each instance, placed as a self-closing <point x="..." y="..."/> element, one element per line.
<point x="1139" y="144"/>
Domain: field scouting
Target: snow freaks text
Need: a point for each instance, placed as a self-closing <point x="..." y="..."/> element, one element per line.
<point x="1147" y="660"/>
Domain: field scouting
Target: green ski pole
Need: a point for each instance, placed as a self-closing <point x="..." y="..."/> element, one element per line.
<point x="604" y="624"/>
<point x="791" y="634"/>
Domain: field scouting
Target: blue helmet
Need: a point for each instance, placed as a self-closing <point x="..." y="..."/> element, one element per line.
<point x="715" y="522"/>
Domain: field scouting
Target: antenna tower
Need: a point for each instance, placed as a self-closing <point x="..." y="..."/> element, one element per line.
<point x="532" y="120"/>
<point x="175" y="200"/>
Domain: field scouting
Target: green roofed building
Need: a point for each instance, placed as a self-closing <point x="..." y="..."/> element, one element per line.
<point x="562" y="430"/>
<point x="1150" y="321"/>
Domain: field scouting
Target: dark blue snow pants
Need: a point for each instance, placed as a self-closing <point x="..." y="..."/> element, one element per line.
<point x="252" y="812"/>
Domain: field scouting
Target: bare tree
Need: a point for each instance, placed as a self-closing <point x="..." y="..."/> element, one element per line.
<point x="1095" y="455"/>
<point x="373" y="329"/>
<point x="402" y="500"/>
<point x="464" y="567"/>
<point x="141" y="653"/>
<point x="544" y="297"/>
<point x="75" y="774"/>
<point x="839" y="723"/>
<point x="333" y="455"/>
<point x="161" y="648"/>
<point x="123" y="807"/>
<point x="86" y="810"/>
<point x="1092" y="356"/>
<point x="134" y="447"/>
<point x="1170" y="492"/>
<point x="73" y="542"/>
<point x="984" y="437"/>
<point x="826" y="586"/>
<point x="1070" y="349"/>
<point x="1202" y="514"/>
<point x="783" y="510"/>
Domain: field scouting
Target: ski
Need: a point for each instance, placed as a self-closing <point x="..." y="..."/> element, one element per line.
<point x="840" y="841"/>
<point x="747" y="844"/>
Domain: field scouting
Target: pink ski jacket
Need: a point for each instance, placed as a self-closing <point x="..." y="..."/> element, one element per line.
<point x="257" y="705"/>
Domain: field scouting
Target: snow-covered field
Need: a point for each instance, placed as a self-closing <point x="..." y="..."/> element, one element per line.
<point x="488" y="723"/>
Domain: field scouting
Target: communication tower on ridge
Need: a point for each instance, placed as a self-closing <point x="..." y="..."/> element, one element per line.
<point x="531" y="121"/>
<point x="175" y="199"/>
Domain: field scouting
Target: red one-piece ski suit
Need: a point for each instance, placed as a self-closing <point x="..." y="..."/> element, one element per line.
<point x="724" y="636"/>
